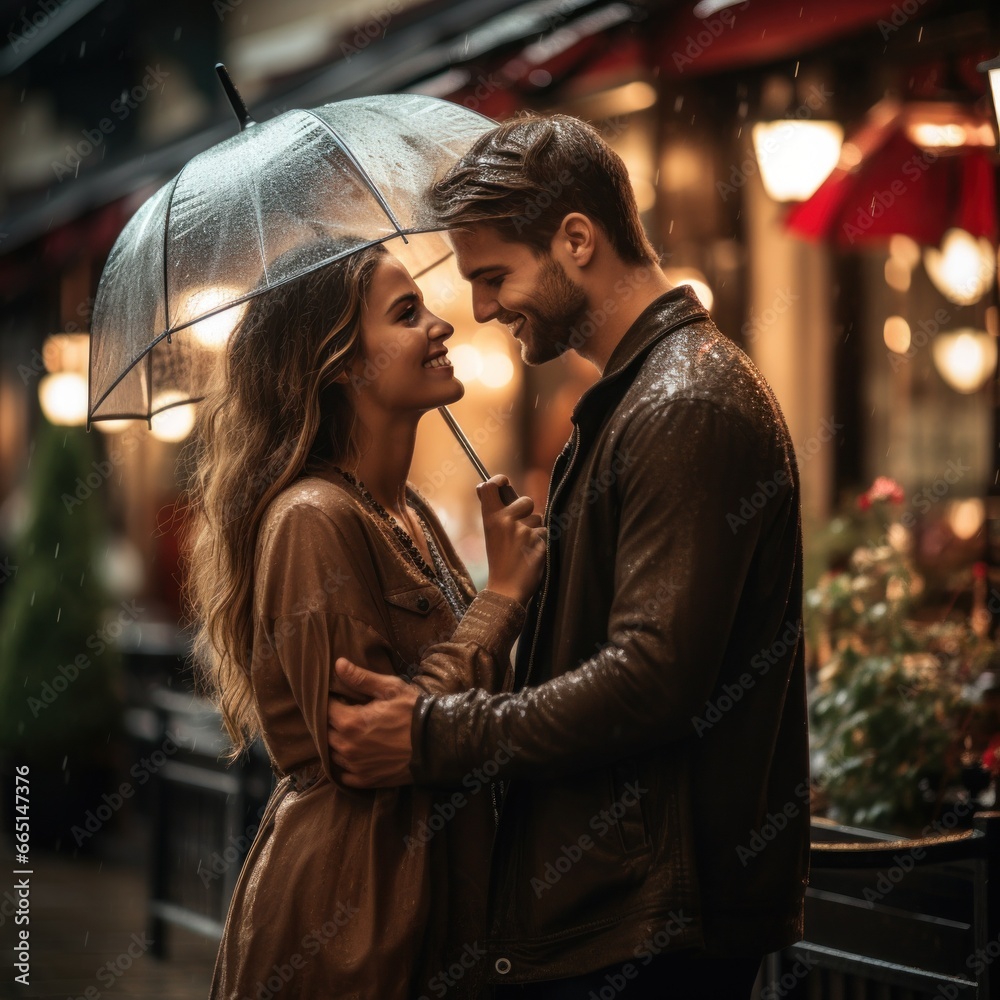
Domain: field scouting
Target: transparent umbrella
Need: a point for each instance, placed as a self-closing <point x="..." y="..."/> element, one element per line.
<point x="326" y="182"/>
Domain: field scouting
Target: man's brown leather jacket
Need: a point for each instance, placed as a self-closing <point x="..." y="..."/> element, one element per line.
<point x="655" y="745"/>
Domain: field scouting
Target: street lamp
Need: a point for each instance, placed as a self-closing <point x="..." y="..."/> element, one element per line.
<point x="992" y="68"/>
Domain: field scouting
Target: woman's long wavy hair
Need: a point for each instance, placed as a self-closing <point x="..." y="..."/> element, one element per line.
<point x="275" y="413"/>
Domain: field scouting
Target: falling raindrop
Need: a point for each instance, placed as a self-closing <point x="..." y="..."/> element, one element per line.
<point x="56" y="556"/>
<point x="58" y="615"/>
<point x="65" y="759"/>
<point x="33" y="598"/>
<point x="796" y="73"/>
<point x="83" y="48"/>
<point x="920" y="33"/>
<point x="177" y="33"/>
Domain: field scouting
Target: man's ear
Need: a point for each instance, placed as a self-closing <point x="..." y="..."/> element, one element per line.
<point x="576" y="239"/>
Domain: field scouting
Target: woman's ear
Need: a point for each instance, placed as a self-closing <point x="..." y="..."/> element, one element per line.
<point x="576" y="239"/>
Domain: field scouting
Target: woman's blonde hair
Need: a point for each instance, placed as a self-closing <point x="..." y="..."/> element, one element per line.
<point x="276" y="413"/>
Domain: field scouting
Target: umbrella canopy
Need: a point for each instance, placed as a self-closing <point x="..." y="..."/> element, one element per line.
<point x="325" y="182"/>
<point x="918" y="170"/>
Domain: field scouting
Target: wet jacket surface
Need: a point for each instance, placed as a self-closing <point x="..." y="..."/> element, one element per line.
<point x="354" y="893"/>
<point x="656" y="736"/>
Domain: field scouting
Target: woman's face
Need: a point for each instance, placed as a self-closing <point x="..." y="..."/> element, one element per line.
<point x="404" y="362"/>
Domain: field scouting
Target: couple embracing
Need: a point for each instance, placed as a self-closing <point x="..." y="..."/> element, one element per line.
<point x="447" y="822"/>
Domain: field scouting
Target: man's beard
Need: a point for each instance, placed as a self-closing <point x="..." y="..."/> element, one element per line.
<point x="560" y="307"/>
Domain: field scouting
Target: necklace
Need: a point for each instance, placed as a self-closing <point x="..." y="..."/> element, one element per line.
<point x="443" y="579"/>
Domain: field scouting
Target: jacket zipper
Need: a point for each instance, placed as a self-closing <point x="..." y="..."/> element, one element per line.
<point x="548" y="551"/>
<point x="498" y="807"/>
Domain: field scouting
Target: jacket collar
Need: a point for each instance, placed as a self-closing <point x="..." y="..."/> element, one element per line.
<point x="679" y="305"/>
<point x="675" y="308"/>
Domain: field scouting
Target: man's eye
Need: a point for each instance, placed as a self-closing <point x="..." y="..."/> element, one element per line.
<point x="495" y="282"/>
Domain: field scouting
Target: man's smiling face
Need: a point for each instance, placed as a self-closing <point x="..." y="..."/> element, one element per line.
<point x="530" y="293"/>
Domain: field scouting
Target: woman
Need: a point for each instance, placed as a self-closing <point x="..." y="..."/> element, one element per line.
<point x="310" y="545"/>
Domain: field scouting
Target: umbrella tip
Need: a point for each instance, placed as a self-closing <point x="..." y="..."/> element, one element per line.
<point x="239" y="106"/>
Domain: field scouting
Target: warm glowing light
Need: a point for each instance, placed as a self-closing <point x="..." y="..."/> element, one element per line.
<point x="175" y="423"/>
<point x="963" y="269"/>
<point x="467" y="360"/>
<point x="905" y="250"/>
<point x="66" y="352"/>
<point x="850" y="156"/>
<point x="63" y="396"/>
<point x="497" y="371"/>
<point x="645" y="193"/>
<point x="214" y="330"/>
<point x="966" y="517"/>
<point x="931" y="135"/>
<point x="631" y="97"/>
<point x="795" y="157"/>
<point x="896" y="334"/>
<point x="113" y="426"/>
<point x="693" y="277"/>
<point x="965" y="358"/>
<point x="897" y="274"/>
<point x="994" y="74"/>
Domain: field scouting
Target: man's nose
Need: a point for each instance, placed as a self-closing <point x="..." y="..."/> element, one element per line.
<point x="484" y="304"/>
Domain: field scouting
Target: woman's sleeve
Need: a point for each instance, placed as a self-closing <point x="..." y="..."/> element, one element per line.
<point x="320" y="599"/>
<point x="478" y="653"/>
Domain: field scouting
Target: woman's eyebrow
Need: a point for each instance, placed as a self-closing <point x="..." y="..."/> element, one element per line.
<point x="399" y="299"/>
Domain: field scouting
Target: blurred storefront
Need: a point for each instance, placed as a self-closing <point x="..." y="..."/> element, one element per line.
<point x="708" y="106"/>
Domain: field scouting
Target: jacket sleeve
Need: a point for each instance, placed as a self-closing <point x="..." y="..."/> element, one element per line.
<point x="678" y="575"/>
<point x="321" y="600"/>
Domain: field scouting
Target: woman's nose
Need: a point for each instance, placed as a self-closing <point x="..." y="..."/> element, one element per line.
<point x="440" y="329"/>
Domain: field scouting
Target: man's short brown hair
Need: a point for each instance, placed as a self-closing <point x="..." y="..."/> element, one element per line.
<point x="523" y="177"/>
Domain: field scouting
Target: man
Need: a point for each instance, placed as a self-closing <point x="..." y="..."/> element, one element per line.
<point x="654" y="830"/>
